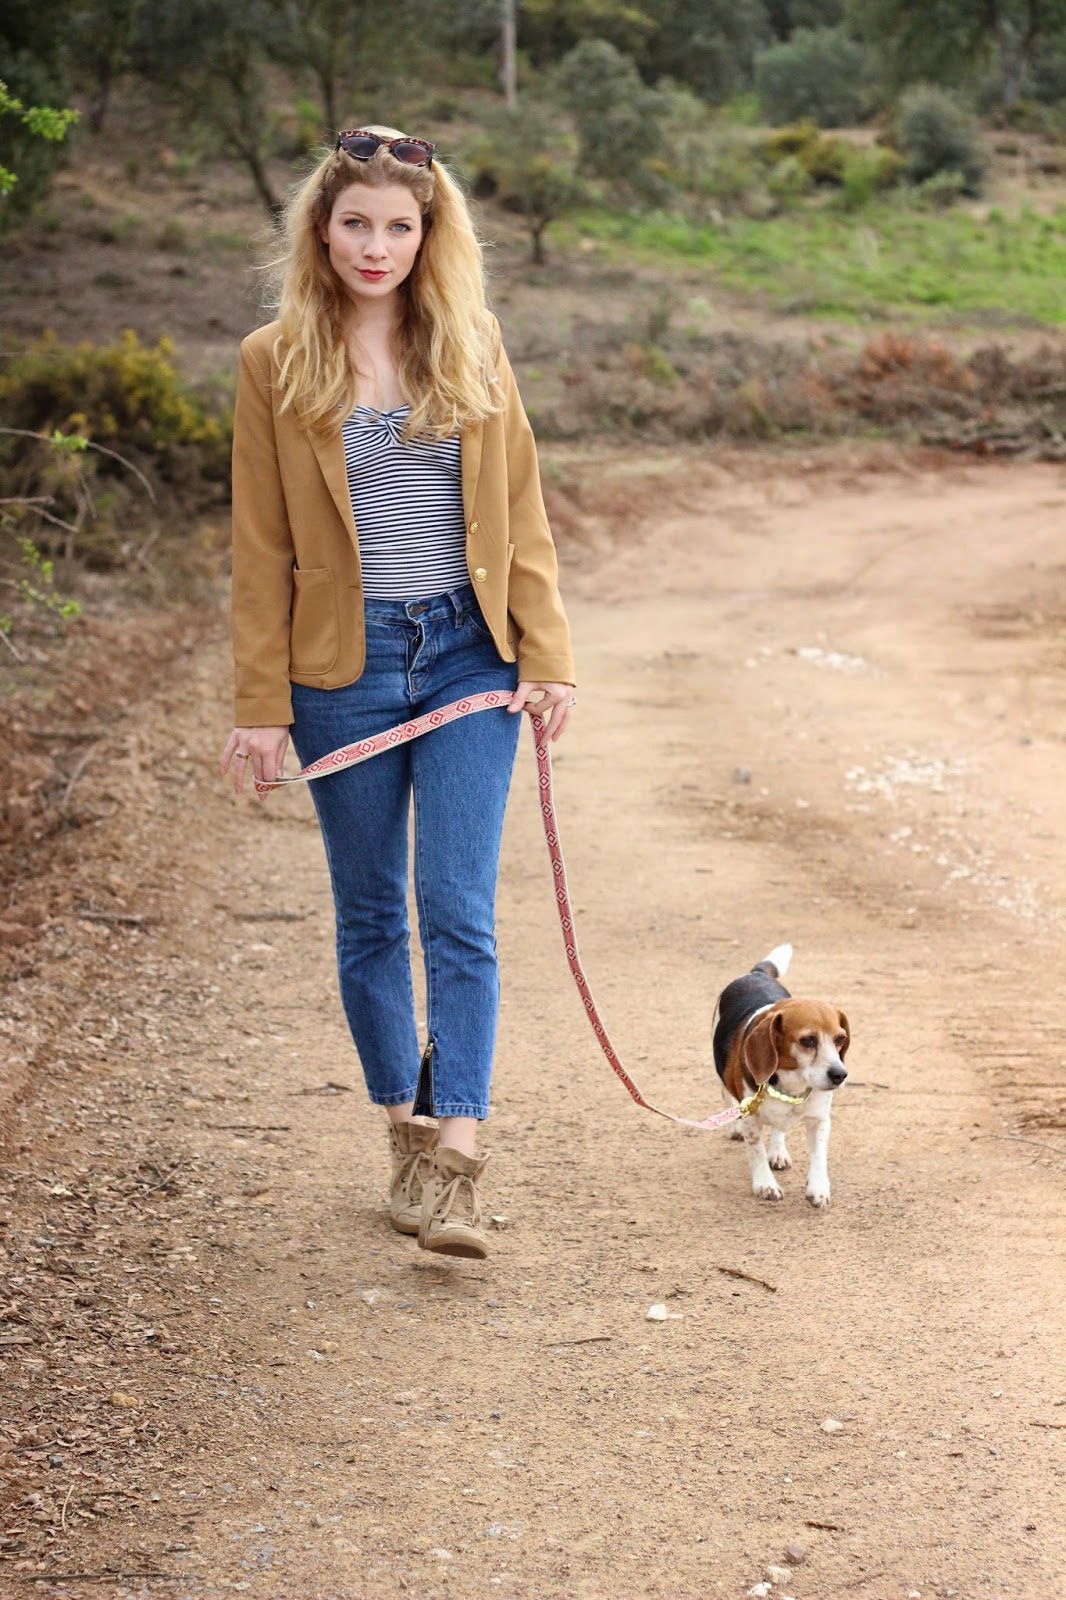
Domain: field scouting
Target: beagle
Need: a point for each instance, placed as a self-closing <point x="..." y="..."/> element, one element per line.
<point x="795" y="1049"/>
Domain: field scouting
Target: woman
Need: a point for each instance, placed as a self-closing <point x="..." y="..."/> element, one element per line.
<point x="390" y="555"/>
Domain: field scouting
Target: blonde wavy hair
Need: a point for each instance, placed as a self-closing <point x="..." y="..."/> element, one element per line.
<point x="445" y="356"/>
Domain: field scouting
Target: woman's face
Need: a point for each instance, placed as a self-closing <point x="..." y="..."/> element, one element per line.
<point x="373" y="237"/>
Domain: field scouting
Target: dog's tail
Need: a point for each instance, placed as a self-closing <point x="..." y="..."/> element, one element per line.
<point x="775" y="965"/>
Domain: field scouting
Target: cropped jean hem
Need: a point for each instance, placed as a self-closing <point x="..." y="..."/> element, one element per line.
<point x="400" y="1099"/>
<point x="453" y="1109"/>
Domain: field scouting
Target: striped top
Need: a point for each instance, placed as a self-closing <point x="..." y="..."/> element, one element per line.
<point x="407" y="500"/>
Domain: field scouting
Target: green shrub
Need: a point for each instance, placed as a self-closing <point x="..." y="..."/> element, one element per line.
<point x="817" y="73"/>
<point x="936" y="134"/>
<point x="789" y="179"/>
<point x="868" y="173"/>
<point x="943" y="189"/>
<point x="821" y="157"/>
<point x="129" y="400"/>
<point x="719" y="163"/>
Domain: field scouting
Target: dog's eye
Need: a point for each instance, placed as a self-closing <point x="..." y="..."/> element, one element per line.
<point x="809" y="1042"/>
<point x="841" y="1040"/>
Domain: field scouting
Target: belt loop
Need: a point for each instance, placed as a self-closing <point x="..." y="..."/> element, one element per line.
<point x="457" y="606"/>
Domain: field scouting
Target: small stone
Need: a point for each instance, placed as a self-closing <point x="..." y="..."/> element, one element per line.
<point x="121" y="1398"/>
<point x="741" y="774"/>
<point x="318" y="1521"/>
<point x="499" y="1222"/>
<point x="759" y="1591"/>
<point x="831" y="1425"/>
<point x="778" y="1575"/>
<point x="441" y="1555"/>
<point x="796" y="1554"/>
<point x="656" y="1314"/>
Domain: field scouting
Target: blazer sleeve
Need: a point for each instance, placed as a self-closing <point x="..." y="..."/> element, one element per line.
<point x="263" y="556"/>
<point x="544" y="652"/>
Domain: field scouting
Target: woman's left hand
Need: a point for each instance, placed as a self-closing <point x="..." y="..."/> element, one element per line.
<point x="549" y="701"/>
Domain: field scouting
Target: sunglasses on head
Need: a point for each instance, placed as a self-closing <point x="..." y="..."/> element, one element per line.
<point x="364" y="146"/>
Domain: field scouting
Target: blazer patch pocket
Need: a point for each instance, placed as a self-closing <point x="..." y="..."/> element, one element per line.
<point x="314" y="639"/>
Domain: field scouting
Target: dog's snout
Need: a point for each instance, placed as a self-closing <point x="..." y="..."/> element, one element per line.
<point x="836" y="1074"/>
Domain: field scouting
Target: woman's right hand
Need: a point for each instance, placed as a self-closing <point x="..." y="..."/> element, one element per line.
<point x="262" y="749"/>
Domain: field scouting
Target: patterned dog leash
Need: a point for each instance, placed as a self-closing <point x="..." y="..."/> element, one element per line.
<point x="350" y="755"/>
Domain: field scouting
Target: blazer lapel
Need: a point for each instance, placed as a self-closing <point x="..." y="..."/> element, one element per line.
<point x="470" y="442"/>
<point x="330" y="453"/>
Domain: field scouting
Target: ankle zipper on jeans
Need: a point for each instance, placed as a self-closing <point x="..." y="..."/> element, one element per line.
<point x="423" y="1106"/>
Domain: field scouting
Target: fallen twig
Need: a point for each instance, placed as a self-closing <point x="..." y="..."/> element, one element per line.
<point x="749" y="1277"/>
<point x="63" y="1511"/>
<point x="165" y="1179"/>
<point x="1017" y="1138"/>
<point x="1036" y="1423"/>
<point x="590" y="1338"/>
<point x="249" y="1127"/>
<point x="826" y="1527"/>
<point x="124" y="919"/>
<point x="107" y="1576"/>
<point x="269" y="916"/>
<point x="329" y="1087"/>
<point x="79" y="768"/>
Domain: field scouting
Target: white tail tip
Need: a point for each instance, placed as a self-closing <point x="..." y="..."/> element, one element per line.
<point x="780" y="957"/>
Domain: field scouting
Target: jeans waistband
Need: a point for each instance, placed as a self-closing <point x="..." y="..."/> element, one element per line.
<point x="453" y="603"/>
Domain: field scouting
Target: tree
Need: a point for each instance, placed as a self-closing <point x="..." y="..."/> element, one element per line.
<point x="818" y="73"/>
<point x="319" y="35"/>
<point x="208" y="54"/>
<point x="951" y="41"/>
<point x="709" y="45"/>
<point x="527" y="163"/>
<point x="619" y="119"/>
<point x="104" y="31"/>
<point x="42" y="122"/>
<point x="786" y="16"/>
<point x="549" y="28"/>
<point x="35" y="66"/>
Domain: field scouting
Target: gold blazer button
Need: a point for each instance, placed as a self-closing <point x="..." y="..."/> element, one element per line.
<point x="474" y="526"/>
<point x="480" y="574"/>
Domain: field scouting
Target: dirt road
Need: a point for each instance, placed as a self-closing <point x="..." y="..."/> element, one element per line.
<point x="818" y="703"/>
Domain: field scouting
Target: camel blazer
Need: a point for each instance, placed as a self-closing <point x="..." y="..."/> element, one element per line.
<point x="297" y="605"/>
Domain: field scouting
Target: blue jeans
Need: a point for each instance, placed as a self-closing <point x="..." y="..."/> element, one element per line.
<point x="421" y="654"/>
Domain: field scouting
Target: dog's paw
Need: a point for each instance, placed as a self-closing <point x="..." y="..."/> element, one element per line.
<point x="780" y="1160"/>
<point x="766" y="1191"/>
<point x="819" y="1198"/>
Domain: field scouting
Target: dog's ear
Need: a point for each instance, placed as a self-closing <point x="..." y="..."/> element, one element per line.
<point x="843" y="1023"/>
<point x="762" y="1047"/>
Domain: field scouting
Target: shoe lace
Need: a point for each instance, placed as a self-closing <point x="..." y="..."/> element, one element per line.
<point x="413" y="1175"/>
<point x="458" y="1194"/>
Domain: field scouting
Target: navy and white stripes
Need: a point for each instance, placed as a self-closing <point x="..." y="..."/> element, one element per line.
<point x="407" y="502"/>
